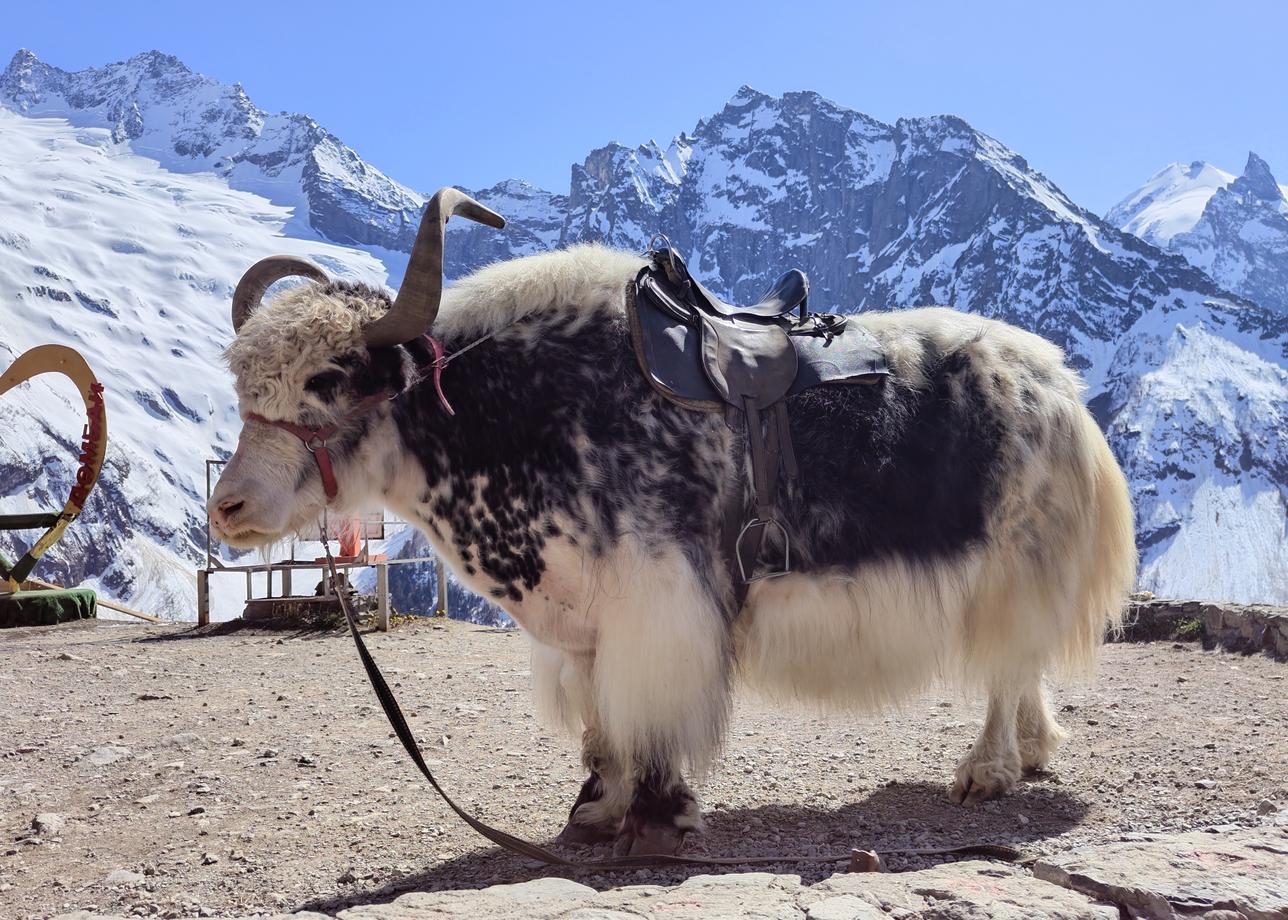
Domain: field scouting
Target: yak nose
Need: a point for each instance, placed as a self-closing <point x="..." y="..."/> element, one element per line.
<point x="226" y="510"/>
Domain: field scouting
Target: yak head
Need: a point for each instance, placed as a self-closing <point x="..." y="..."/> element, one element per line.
<point x="317" y="359"/>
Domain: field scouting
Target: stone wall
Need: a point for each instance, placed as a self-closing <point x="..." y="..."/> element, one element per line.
<point x="1248" y="628"/>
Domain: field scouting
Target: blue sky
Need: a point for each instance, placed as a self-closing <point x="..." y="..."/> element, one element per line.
<point x="1096" y="95"/>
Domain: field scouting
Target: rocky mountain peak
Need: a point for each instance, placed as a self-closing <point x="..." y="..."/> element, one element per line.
<point x="1258" y="181"/>
<point x="1234" y="229"/>
<point x="194" y="123"/>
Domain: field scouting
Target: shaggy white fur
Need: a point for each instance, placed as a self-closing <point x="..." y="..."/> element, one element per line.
<point x="634" y="652"/>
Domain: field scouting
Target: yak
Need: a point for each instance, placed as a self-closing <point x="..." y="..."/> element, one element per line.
<point x="964" y="521"/>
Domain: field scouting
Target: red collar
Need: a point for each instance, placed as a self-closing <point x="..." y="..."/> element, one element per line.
<point x="315" y="439"/>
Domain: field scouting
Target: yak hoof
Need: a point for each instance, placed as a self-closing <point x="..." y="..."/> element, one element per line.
<point x="641" y="838"/>
<point x="979" y="781"/>
<point x="585" y="834"/>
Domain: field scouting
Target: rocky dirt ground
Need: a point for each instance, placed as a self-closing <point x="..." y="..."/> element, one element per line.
<point x="253" y="772"/>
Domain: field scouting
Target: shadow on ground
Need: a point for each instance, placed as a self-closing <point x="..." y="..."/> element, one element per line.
<point x="900" y="815"/>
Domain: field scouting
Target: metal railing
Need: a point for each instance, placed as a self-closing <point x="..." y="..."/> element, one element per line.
<point x="285" y="568"/>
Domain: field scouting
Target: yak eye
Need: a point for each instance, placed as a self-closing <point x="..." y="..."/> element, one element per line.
<point x="325" y="383"/>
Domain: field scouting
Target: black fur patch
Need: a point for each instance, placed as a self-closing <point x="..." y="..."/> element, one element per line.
<point x="560" y="421"/>
<point x="892" y="471"/>
<point x="521" y="411"/>
<point x="592" y="790"/>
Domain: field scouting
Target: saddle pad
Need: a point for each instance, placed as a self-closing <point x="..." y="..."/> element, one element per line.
<point x="670" y="354"/>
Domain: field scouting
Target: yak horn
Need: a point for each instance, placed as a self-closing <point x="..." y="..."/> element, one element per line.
<point x="260" y="276"/>
<point x="416" y="305"/>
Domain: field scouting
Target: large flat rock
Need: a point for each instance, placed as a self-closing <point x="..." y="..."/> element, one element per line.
<point x="1239" y="874"/>
<point x="959" y="891"/>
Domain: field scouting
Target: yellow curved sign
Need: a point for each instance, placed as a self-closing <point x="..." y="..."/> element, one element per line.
<point x="59" y="359"/>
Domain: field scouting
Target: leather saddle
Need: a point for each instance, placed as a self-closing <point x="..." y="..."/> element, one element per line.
<point x="708" y="355"/>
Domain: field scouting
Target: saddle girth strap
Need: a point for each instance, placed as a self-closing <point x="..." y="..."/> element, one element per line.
<point x="769" y="447"/>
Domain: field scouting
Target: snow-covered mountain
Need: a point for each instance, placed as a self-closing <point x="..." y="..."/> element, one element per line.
<point x="1234" y="228"/>
<point x="930" y="210"/>
<point x="1188" y="379"/>
<point x="190" y="123"/>
<point x="132" y="264"/>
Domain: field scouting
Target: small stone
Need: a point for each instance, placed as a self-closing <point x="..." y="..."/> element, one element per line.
<point x="68" y="656"/>
<point x="124" y="877"/>
<point x="863" y="861"/>
<point x="1266" y="807"/>
<point x="48" y="824"/>
<point x="103" y="756"/>
<point x="209" y="859"/>
<point x="1206" y="784"/>
<point x="268" y="754"/>
<point x="197" y="810"/>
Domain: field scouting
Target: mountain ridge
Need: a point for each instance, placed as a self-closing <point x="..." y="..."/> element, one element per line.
<point x="1233" y="228"/>
<point x="882" y="216"/>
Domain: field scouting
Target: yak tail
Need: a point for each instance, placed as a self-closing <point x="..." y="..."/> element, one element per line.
<point x="1110" y="563"/>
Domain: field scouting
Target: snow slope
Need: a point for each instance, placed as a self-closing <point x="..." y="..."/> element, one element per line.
<point x="1234" y="228"/>
<point x="132" y="264"/>
<point x="1170" y="202"/>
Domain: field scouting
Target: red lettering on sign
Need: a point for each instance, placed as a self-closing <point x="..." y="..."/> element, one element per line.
<point x="91" y="438"/>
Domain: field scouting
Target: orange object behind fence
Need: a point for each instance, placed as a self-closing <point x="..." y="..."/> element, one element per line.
<point x="351" y="538"/>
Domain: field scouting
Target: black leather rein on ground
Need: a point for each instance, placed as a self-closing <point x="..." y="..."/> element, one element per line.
<point x="525" y="848"/>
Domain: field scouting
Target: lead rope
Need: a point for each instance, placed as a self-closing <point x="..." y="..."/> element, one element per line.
<point x="525" y="848"/>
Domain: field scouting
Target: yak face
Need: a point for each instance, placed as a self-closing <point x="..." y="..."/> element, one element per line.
<point x="307" y="360"/>
<point x="302" y="358"/>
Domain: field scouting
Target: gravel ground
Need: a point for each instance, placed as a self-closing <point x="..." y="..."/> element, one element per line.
<point x="254" y="771"/>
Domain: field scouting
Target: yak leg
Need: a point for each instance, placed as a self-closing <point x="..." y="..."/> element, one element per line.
<point x="563" y="684"/>
<point x="1039" y="733"/>
<point x="662" y="690"/>
<point x="662" y="811"/>
<point x="992" y="766"/>
<point x="596" y="816"/>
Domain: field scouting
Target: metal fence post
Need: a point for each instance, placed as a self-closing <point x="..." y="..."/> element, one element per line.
<point x="382" y="597"/>
<point x="203" y="597"/>
<point x="440" y="609"/>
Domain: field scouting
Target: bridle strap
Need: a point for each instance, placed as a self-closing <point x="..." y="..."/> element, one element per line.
<point x="315" y="439"/>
